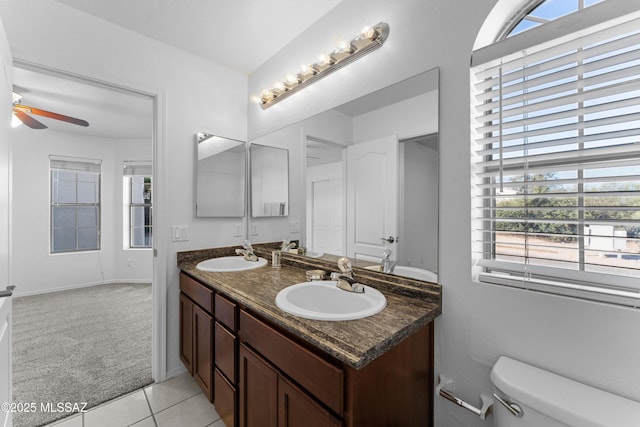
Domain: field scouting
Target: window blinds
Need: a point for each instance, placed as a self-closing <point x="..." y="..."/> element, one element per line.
<point x="556" y="149"/>
<point x="75" y="164"/>
<point x="141" y="167"/>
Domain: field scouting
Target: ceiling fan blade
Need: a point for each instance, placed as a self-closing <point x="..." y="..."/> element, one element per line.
<point x="57" y="116"/>
<point x="28" y="120"/>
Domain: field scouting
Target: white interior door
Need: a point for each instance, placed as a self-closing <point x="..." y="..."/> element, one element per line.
<point x="325" y="204"/>
<point x="372" y="197"/>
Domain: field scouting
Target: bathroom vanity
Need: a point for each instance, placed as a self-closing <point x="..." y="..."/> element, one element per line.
<point x="261" y="366"/>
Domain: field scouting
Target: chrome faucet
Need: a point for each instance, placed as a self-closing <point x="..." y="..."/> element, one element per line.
<point x="345" y="281"/>
<point x="387" y="264"/>
<point x="349" y="284"/>
<point x="247" y="251"/>
<point x="286" y="245"/>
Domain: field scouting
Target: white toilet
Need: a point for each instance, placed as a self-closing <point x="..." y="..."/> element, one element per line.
<point x="544" y="399"/>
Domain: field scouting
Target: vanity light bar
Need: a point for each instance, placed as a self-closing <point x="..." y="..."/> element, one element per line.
<point x="345" y="53"/>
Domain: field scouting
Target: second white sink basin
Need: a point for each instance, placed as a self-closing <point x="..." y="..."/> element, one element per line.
<point x="230" y="263"/>
<point x="323" y="300"/>
<point x="415" y="273"/>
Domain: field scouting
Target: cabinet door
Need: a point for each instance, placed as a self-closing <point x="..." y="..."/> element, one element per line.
<point x="225" y="399"/>
<point x="203" y="350"/>
<point x="258" y="391"/>
<point x="186" y="332"/>
<point x="296" y="408"/>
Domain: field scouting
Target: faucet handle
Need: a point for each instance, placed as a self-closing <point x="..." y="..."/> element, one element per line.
<point x="344" y="264"/>
<point x="247" y="245"/>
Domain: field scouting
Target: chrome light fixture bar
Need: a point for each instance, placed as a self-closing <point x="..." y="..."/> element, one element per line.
<point x="345" y="53"/>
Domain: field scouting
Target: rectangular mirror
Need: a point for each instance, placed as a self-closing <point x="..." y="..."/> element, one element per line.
<point x="220" y="176"/>
<point x="368" y="179"/>
<point x="269" y="181"/>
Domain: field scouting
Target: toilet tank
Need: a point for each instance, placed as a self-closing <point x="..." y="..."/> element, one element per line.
<point x="550" y="400"/>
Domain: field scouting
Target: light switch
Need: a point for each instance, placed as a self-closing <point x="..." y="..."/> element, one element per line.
<point x="179" y="233"/>
<point x="238" y="230"/>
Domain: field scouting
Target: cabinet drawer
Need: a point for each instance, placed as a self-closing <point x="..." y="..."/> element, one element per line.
<point x="198" y="292"/>
<point x="319" y="377"/>
<point x="226" y="312"/>
<point x="225" y="351"/>
<point x="225" y="399"/>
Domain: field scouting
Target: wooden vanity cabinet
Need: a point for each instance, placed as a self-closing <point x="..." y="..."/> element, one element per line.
<point x="196" y="332"/>
<point x="258" y="374"/>
<point x="226" y="359"/>
<point x="304" y="387"/>
<point x="268" y="399"/>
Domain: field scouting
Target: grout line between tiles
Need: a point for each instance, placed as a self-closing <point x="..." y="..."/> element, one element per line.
<point x="153" y="415"/>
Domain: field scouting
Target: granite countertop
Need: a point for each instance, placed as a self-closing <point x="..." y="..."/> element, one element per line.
<point x="410" y="304"/>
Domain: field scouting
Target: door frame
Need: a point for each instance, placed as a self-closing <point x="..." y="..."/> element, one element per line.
<point x="160" y="241"/>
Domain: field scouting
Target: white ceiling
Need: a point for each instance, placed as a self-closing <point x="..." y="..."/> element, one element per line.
<point x="228" y="32"/>
<point x="110" y="113"/>
<point x="241" y="34"/>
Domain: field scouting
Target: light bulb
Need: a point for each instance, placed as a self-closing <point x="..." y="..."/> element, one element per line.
<point x="368" y="33"/>
<point x="342" y="46"/>
<point x="291" y="79"/>
<point x="256" y="99"/>
<point x="323" y="60"/>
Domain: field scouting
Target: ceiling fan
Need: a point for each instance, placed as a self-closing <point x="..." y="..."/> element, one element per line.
<point x="21" y="110"/>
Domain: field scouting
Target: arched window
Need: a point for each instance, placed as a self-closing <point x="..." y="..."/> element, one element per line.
<point x="538" y="12"/>
<point x="556" y="153"/>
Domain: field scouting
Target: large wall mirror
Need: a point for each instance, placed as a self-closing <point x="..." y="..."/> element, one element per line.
<point x="220" y="176"/>
<point x="369" y="178"/>
<point x="269" y="181"/>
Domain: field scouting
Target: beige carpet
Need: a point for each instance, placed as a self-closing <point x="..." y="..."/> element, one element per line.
<point x="83" y="345"/>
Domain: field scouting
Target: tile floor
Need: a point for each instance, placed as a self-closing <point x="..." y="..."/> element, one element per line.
<point x="175" y="402"/>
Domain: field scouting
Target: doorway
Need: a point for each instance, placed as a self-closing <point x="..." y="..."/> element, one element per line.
<point x="123" y="262"/>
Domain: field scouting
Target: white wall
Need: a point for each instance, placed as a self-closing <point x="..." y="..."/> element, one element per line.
<point x="418" y="212"/>
<point x="591" y="342"/>
<point x="194" y="94"/>
<point x="413" y="117"/>
<point x="34" y="269"/>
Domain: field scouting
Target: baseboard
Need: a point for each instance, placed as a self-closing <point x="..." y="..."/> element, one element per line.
<point x="178" y="370"/>
<point x="16" y="292"/>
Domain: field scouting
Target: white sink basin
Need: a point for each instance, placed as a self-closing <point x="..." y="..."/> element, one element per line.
<point x="323" y="300"/>
<point x="314" y="254"/>
<point x="230" y="263"/>
<point x="410" y="272"/>
<point x="415" y="273"/>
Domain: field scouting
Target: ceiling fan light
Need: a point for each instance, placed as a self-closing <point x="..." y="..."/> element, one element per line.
<point x="16" y="97"/>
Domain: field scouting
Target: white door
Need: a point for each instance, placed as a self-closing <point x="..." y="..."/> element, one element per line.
<point x="372" y="198"/>
<point x="325" y="205"/>
<point x="6" y="72"/>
